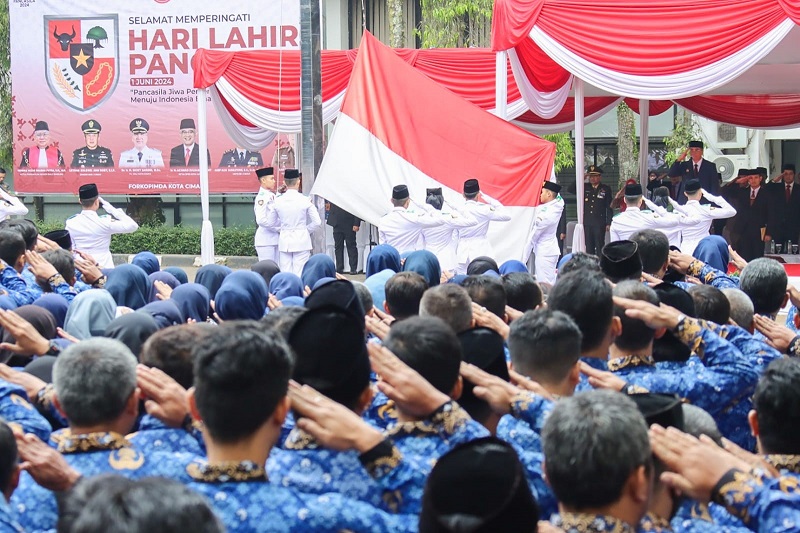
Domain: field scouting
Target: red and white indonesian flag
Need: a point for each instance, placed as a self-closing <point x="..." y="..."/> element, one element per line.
<point x="397" y="126"/>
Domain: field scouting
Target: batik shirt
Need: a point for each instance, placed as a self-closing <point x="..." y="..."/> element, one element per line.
<point x="433" y="437"/>
<point x="762" y="503"/>
<point x="58" y="286"/>
<point x="709" y="275"/>
<point x="8" y="522"/>
<point x="154" y="435"/>
<point x="715" y="378"/>
<point x="695" y="517"/>
<point x="586" y="523"/>
<point x="302" y="464"/>
<point x="247" y="502"/>
<point x="15" y="409"/>
<point x="597" y="364"/>
<point x="90" y="454"/>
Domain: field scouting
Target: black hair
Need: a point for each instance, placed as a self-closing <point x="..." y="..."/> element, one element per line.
<point x="587" y="298"/>
<point x="635" y="333"/>
<point x="26" y="228"/>
<point x="429" y="346"/>
<point x="777" y="405"/>
<point x="544" y="345"/>
<point x="522" y="291"/>
<point x="12" y="246"/>
<point x="403" y="292"/>
<point x="171" y="350"/>
<point x="653" y="249"/>
<point x="241" y="374"/>
<point x="487" y="291"/>
<point x="580" y="261"/>
<point x="64" y="263"/>
<point x="710" y="303"/>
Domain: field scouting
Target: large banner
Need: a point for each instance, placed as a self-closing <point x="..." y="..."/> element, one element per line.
<point x="102" y="92"/>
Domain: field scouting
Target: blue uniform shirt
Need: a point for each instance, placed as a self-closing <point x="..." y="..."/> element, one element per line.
<point x="154" y="435"/>
<point x="15" y="409"/>
<point x="247" y="502"/>
<point x="762" y="503"/>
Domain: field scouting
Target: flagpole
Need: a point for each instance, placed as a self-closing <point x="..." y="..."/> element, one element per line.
<point x="207" y="230"/>
<point x="578" y="242"/>
<point x="501" y="86"/>
<point x="644" y="140"/>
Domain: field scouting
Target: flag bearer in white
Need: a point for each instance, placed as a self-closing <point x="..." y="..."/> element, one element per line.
<point x="696" y="217"/>
<point x="442" y="240"/>
<point x="402" y="227"/>
<point x="266" y="240"/>
<point x="543" y="240"/>
<point x="472" y="241"/>
<point x="296" y="217"/>
<point x="633" y="219"/>
<point x="92" y="233"/>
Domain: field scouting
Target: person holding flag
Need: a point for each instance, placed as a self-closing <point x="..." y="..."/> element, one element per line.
<point x="402" y="227"/>
<point x="266" y="240"/>
<point x="543" y="240"/>
<point x="472" y="241"/>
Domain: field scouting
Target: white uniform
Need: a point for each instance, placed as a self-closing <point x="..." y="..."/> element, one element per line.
<point x="472" y="241"/>
<point x="442" y="240"/>
<point x="402" y="228"/>
<point x="672" y="232"/>
<point x="266" y="241"/>
<point x="296" y="218"/>
<point x="10" y="205"/>
<point x="696" y="219"/>
<point x="543" y="240"/>
<point x="92" y="233"/>
<point x="632" y="220"/>
<point x="150" y="158"/>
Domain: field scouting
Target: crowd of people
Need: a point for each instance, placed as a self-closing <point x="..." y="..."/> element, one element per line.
<point x="643" y="390"/>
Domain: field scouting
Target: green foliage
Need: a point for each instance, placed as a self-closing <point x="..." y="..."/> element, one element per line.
<point x="627" y="145"/>
<point x="175" y="240"/>
<point x="455" y="23"/>
<point x="6" y="136"/>
<point x="685" y="130"/>
<point x="565" y="150"/>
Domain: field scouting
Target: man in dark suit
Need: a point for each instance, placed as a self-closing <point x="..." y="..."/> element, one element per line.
<point x="784" y="209"/>
<point x="188" y="153"/>
<point x="673" y="182"/>
<point x="345" y="226"/>
<point x="697" y="168"/>
<point x="752" y="203"/>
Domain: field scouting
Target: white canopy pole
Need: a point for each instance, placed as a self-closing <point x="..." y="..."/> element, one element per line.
<point x="644" y="141"/>
<point x="501" y="86"/>
<point x="578" y="242"/>
<point x="207" y="231"/>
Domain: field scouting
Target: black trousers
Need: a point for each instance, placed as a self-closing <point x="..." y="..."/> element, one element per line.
<point x="340" y="238"/>
<point x="595" y="236"/>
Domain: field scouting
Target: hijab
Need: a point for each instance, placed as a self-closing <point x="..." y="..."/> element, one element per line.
<point x="713" y="251"/>
<point x="383" y="257"/>
<point x="166" y="277"/>
<point x="211" y="277"/>
<point x="377" y="286"/>
<point x="482" y="264"/>
<point x="285" y="284"/>
<point x="147" y="261"/>
<point x="132" y="330"/>
<point x="56" y="304"/>
<point x="513" y="265"/>
<point x="165" y="313"/>
<point x="293" y="301"/>
<point x="242" y="296"/>
<point x="40" y="318"/>
<point x="90" y="312"/>
<point x="266" y="269"/>
<point x="193" y="300"/>
<point x="426" y="265"/>
<point x="179" y="273"/>
<point x="318" y="266"/>
<point x="129" y="286"/>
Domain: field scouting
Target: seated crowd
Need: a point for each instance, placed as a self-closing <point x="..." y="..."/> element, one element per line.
<point x="646" y="390"/>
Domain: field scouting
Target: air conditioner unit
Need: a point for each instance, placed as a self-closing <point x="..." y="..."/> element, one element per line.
<point x="728" y="165"/>
<point x="722" y="136"/>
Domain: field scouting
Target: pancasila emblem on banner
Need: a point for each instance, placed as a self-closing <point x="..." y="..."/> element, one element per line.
<point x="82" y="59"/>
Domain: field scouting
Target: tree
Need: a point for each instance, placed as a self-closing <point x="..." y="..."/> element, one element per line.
<point x="397" y="23"/>
<point x="627" y="148"/>
<point x="685" y="130"/>
<point x="6" y="135"/>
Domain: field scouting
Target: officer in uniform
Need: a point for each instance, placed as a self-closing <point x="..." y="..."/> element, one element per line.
<point x="297" y="218"/>
<point x="92" y="233"/>
<point x="92" y="155"/>
<point x="284" y="156"/>
<point x="9" y="203"/>
<point x="623" y="225"/>
<point x="697" y="168"/>
<point x="442" y="240"/>
<point x="266" y="241"/>
<point x="240" y="157"/>
<point x="140" y="155"/>
<point x="596" y="210"/>
<point x="696" y="217"/>
<point x="543" y="240"/>
<point x="402" y="227"/>
<point x="472" y="241"/>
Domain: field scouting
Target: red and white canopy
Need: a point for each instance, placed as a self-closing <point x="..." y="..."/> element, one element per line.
<point x="661" y="50"/>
